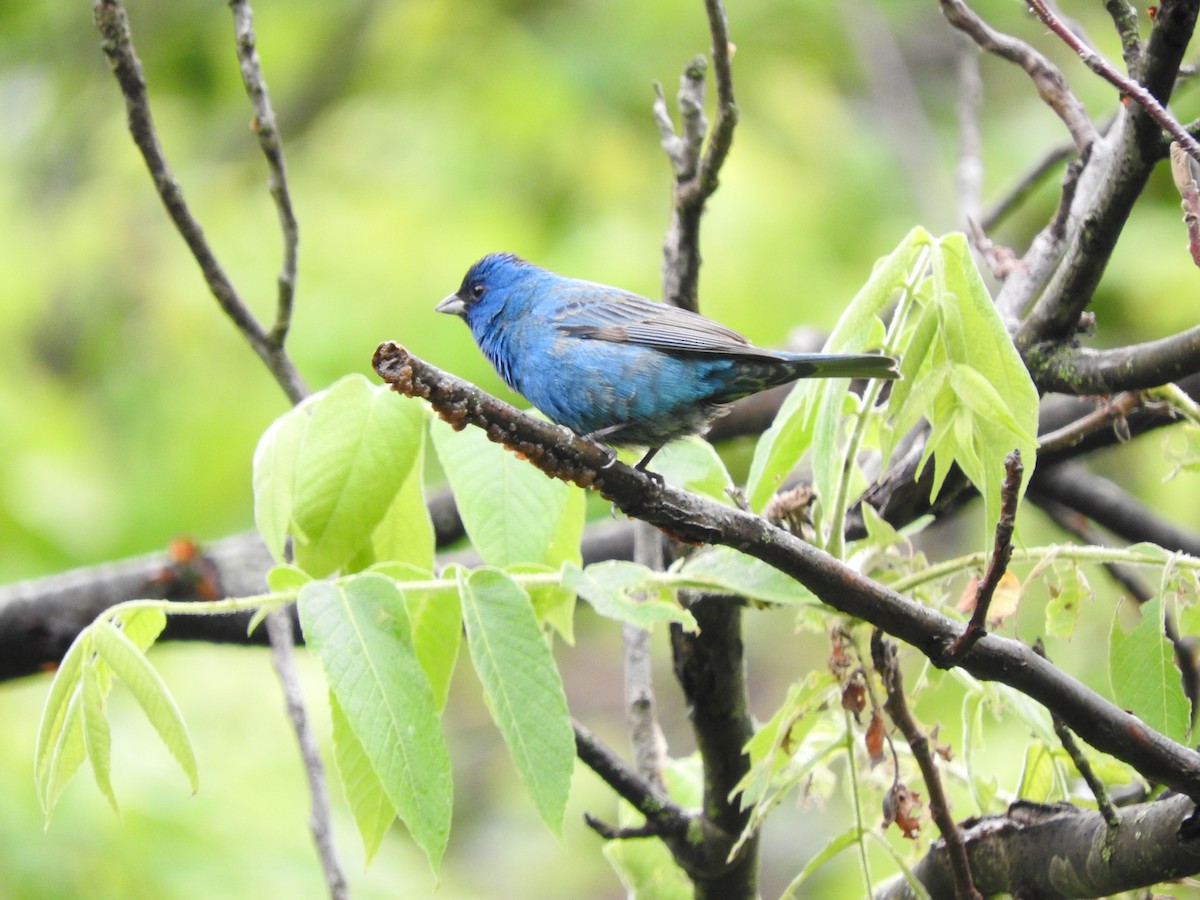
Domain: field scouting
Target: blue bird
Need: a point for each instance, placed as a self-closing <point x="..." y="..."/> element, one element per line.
<point x="616" y="367"/>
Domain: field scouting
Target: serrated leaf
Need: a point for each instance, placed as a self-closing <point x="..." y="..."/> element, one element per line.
<point x="368" y="801"/>
<point x="553" y="602"/>
<point x="66" y="755"/>
<point x="358" y="449"/>
<point x="1141" y="667"/>
<point x="142" y="623"/>
<point x="96" y="737"/>
<point x="522" y="687"/>
<point x="616" y="589"/>
<point x="1067" y="597"/>
<point x="151" y="693"/>
<point x="512" y="512"/>
<point x="63" y="688"/>
<point x="731" y="571"/>
<point x="359" y="628"/>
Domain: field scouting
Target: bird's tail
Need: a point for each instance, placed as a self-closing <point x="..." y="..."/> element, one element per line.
<point x="843" y="365"/>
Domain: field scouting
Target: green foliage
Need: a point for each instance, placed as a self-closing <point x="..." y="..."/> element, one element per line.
<point x="1141" y="668"/>
<point x="341" y="477"/>
<point x="360" y="631"/>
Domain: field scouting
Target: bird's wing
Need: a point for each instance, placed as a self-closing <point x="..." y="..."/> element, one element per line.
<point x="604" y="314"/>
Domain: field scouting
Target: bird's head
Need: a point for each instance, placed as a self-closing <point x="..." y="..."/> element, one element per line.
<point x="493" y="276"/>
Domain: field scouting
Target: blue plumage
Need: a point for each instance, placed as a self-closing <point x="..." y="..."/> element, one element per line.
<point x="616" y="366"/>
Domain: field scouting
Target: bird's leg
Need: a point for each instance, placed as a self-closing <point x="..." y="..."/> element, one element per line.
<point x="641" y="466"/>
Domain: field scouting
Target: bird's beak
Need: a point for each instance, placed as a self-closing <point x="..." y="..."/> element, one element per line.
<point x="452" y="305"/>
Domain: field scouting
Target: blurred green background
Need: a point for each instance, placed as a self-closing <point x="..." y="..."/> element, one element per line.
<point x="419" y="136"/>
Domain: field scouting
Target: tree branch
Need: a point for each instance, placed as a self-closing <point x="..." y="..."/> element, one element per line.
<point x="1063" y="851"/>
<point x="698" y="520"/>
<point x="117" y="43"/>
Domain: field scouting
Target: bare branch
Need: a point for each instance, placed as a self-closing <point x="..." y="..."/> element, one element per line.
<point x="109" y="17"/>
<point x="998" y="564"/>
<point x="649" y="744"/>
<point x="1050" y="84"/>
<point x="320" y="821"/>
<point x="696" y="173"/>
<point x="1071" y="369"/>
<point x="883" y="655"/>
<point x="267" y="132"/>
<point x="1127" y="86"/>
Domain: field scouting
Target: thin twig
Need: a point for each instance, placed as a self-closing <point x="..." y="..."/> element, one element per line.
<point x="1126" y="85"/>
<point x="320" y="822"/>
<point x="998" y="564"/>
<point x="267" y="132"/>
<point x="1125" y="18"/>
<point x="1095" y="785"/>
<point x="968" y="171"/>
<point x="1049" y="81"/>
<point x="117" y="43"/>
<point x="696" y="173"/>
<point x="1102" y="416"/>
<point x="883" y="654"/>
<point x="645" y="735"/>
<point x="666" y="818"/>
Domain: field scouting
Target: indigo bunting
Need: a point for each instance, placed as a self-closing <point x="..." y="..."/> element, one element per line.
<point x="617" y="367"/>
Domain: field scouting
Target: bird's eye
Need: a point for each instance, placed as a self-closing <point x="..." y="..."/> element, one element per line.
<point x="477" y="290"/>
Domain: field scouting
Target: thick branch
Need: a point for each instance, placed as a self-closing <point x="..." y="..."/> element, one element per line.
<point x="1059" y="852"/>
<point x="1070" y="369"/>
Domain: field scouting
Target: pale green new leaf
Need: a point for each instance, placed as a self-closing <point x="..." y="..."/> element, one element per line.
<point x="360" y="631"/>
<point x="66" y="755"/>
<point x="151" y="693"/>
<point x="142" y="623"/>
<point x="617" y="589"/>
<point x="96" y="736"/>
<point x="522" y="687"/>
<point x="512" y="512"/>
<point x="368" y="801"/>
<point x="63" y="688"/>
<point x="792" y="431"/>
<point x="1141" y="668"/>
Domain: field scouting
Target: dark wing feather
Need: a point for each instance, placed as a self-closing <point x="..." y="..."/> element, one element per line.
<point x="604" y="314"/>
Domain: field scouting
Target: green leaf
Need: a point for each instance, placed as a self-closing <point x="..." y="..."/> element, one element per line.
<point x="1141" y="668"/>
<point x="274" y="474"/>
<point x="647" y="870"/>
<point x="66" y="755"/>
<point x="142" y="623"/>
<point x="792" y="431"/>
<point x="694" y="465"/>
<point x="151" y="693"/>
<point x="1038" y="780"/>
<point x="405" y="533"/>
<point x="359" y="629"/>
<point x="553" y="602"/>
<point x="617" y="589"/>
<point x="832" y="848"/>
<point x="96" y="737"/>
<point x="522" y="687"/>
<point x="360" y="444"/>
<point x="989" y="395"/>
<point x="373" y="812"/>
<point x="512" y="512"/>
<point x="1067" y="597"/>
<point x="63" y="688"/>
<point x="731" y="571"/>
